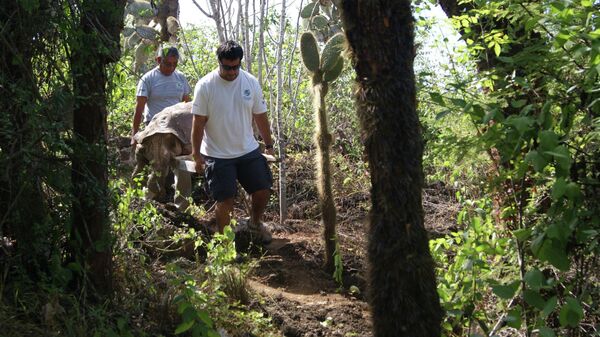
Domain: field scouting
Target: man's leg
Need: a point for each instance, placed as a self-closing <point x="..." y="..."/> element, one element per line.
<point x="259" y="203"/>
<point x="223" y="213"/>
<point x="221" y="178"/>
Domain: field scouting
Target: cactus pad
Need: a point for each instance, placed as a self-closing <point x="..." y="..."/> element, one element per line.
<point x="310" y="10"/>
<point x="332" y="51"/>
<point x="309" y="51"/>
<point x="332" y="74"/>
<point x="319" y="22"/>
<point x="147" y="32"/>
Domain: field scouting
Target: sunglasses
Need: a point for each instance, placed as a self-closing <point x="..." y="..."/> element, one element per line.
<point x="228" y="68"/>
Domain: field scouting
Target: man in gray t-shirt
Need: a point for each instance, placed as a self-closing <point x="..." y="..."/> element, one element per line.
<point x="159" y="88"/>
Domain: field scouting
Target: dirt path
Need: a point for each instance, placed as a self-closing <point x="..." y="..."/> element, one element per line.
<point x="301" y="298"/>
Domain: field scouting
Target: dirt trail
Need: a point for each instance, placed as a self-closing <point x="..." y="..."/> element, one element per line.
<point x="301" y="298"/>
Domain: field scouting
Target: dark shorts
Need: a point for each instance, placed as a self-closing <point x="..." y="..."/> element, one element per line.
<point x="251" y="170"/>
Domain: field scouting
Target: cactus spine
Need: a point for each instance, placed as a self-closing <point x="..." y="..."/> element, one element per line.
<point x="321" y="77"/>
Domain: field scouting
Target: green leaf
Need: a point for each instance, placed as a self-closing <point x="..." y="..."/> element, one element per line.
<point x="562" y="156"/>
<point x="546" y="332"/>
<point x="518" y="103"/>
<point x="522" y="234"/>
<point x="559" y="188"/>
<point x="183" y="327"/>
<point x="572" y="191"/>
<point x="506" y="291"/>
<point x="522" y="123"/>
<point x="549" y="307"/>
<point x="442" y="114"/>
<point x="513" y="318"/>
<point x="545" y="117"/>
<point x="437" y="98"/>
<point x="497" y="49"/>
<point x="534" y="279"/>
<point x="548" y="140"/>
<point x="554" y="251"/>
<point x="571" y="313"/>
<point x="537" y="160"/>
<point x="205" y="318"/>
<point x="534" y="299"/>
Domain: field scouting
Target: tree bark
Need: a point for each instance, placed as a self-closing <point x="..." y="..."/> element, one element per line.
<point x="98" y="45"/>
<point x="279" y="107"/>
<point x="402" y="283"/>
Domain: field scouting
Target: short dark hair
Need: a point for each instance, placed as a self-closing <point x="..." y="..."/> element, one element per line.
<point x="230" y="50"/>
<point x="168" y="51"/>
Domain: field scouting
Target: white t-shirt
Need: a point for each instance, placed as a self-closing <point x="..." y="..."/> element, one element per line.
<point x="162" y="91"/>
<point x="229" y="106"/>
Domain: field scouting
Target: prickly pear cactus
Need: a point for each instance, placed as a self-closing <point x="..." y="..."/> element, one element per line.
<point x="325" y="68"/>
<point x="146" y="25"/>
<point x="331" y="52"/>
<point x="309" y="51"/>
<point x="333" y="73"/>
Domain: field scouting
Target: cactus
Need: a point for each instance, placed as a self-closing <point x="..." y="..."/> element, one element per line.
<point x="324" y="70"/>
<point x="309" y="51"/>
<point x="127" y="31"/>
<point x="332" y="74"/>
<point x="332" y="51"/>
<point x="309" y="10"/>
<point x="132" y="40"/>
<point x="319" y="22"/>
<point x="147" y="32"/>
<point x="140" y="8"/>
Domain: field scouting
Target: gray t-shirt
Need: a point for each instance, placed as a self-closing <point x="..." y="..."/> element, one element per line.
<point x="162" y="91"/>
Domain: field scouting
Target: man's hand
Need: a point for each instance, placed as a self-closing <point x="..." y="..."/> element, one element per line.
<point x="270" y="151"/>
<point x="199" y="160"/>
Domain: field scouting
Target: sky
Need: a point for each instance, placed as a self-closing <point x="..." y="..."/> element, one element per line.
<point x="190" y="14"/>
<point x="433" y="54"/>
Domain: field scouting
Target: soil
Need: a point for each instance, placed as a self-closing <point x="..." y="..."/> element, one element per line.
<point x="300" y="296"/>
<point x="289" y="281"/>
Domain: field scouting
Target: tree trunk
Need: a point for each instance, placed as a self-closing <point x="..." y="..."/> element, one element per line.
<point x="403" y="295"/>
<point x="282" y="171"/>
<point x="261" y="42"/>
<point x="98" y="45"/>
<point x="215" y="6"/>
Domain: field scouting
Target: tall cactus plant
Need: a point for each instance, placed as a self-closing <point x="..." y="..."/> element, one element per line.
<point x="325" y="68"/>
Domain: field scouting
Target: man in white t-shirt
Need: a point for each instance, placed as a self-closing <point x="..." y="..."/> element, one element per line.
<point x="226" y="101"/>
<point x="159" y="88"/>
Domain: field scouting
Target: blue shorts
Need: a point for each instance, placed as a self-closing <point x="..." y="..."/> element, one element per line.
<point x="251" y="170"/>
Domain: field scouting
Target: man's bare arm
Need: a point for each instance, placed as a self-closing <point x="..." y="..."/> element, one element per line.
<point x="264" y="128"/>
<point x="140" y="104"/>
